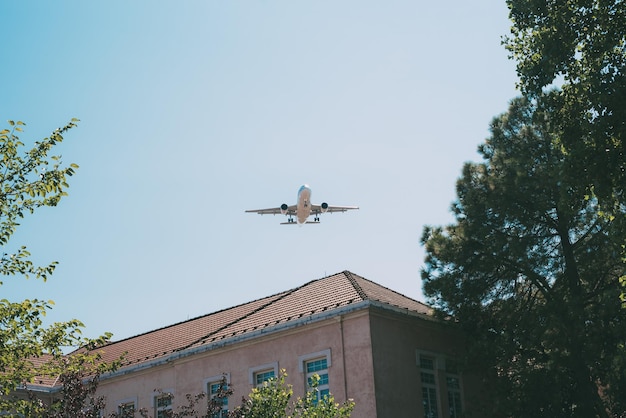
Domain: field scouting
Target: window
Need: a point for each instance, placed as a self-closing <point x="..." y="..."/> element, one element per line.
<point x="263" y="376"/>
<point x="453" y="385"/>
<point x="316" y="363"/>
<point x="454" y="396"/>
<point x="429" y="385"/>
<point x="126" y="409"/>
<point x="162" y="403"/>
<point x="319" y="367"/>
<point x="260" y="374"/>
<point x="215" y="391"/>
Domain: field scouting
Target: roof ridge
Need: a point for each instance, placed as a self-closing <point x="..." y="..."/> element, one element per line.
<point x="357" y="287"/>
<point x="392" y="291"/>
<point x="239" y="319"/>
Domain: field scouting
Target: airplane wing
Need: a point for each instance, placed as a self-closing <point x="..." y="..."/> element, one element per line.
<point x="325" y="208"/>
<point x="290" y="210"/>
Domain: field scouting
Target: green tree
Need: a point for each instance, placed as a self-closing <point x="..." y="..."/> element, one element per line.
<point x="30" y="179"/>
<point x="581" y="46"/>
<point x="273" y="399"/>
<point x="530" y="270"/>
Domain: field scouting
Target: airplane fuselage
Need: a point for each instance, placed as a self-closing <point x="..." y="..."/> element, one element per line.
<point x="303" y="205"/>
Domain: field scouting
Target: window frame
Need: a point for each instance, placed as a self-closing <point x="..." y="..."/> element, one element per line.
<point x="431" y="391"/>
<point x="304" y="360"/>
<point x="208" y="382"/>
<point x="161" y="394"/>
<point x="125" y="402"/>
<point x="455" y="392"/>
<point x="254" y="371"/>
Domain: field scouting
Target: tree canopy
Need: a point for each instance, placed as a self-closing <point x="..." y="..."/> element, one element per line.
<point x="530" y="271"/>
<point x="30" y="179"/>
<point x="579" y="45"/>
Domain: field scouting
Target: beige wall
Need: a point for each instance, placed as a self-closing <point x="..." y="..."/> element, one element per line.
<point x="347" y="338"/>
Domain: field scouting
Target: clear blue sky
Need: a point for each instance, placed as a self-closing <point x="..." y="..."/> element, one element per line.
<point x="193" y="111"/>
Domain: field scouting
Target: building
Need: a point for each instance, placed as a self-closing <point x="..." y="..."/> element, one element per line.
<point x="368" y="343"/>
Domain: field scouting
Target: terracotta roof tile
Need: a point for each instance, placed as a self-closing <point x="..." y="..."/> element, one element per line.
<point x="165" y="340"/>
<point x="380" y="293"/>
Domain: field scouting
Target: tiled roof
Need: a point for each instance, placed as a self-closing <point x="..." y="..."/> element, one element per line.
<point x="43" y="380"/>
<point x="315" y="297"/>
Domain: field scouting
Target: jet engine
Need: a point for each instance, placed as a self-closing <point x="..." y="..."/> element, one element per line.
<point x="324" y="207"/>
<point x="283" y="208"/>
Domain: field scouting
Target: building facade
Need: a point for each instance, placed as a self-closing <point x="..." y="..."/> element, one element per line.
<point x="368" y="343"/>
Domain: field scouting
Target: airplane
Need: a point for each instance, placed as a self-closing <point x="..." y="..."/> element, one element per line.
<point x="302" y="209"/>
